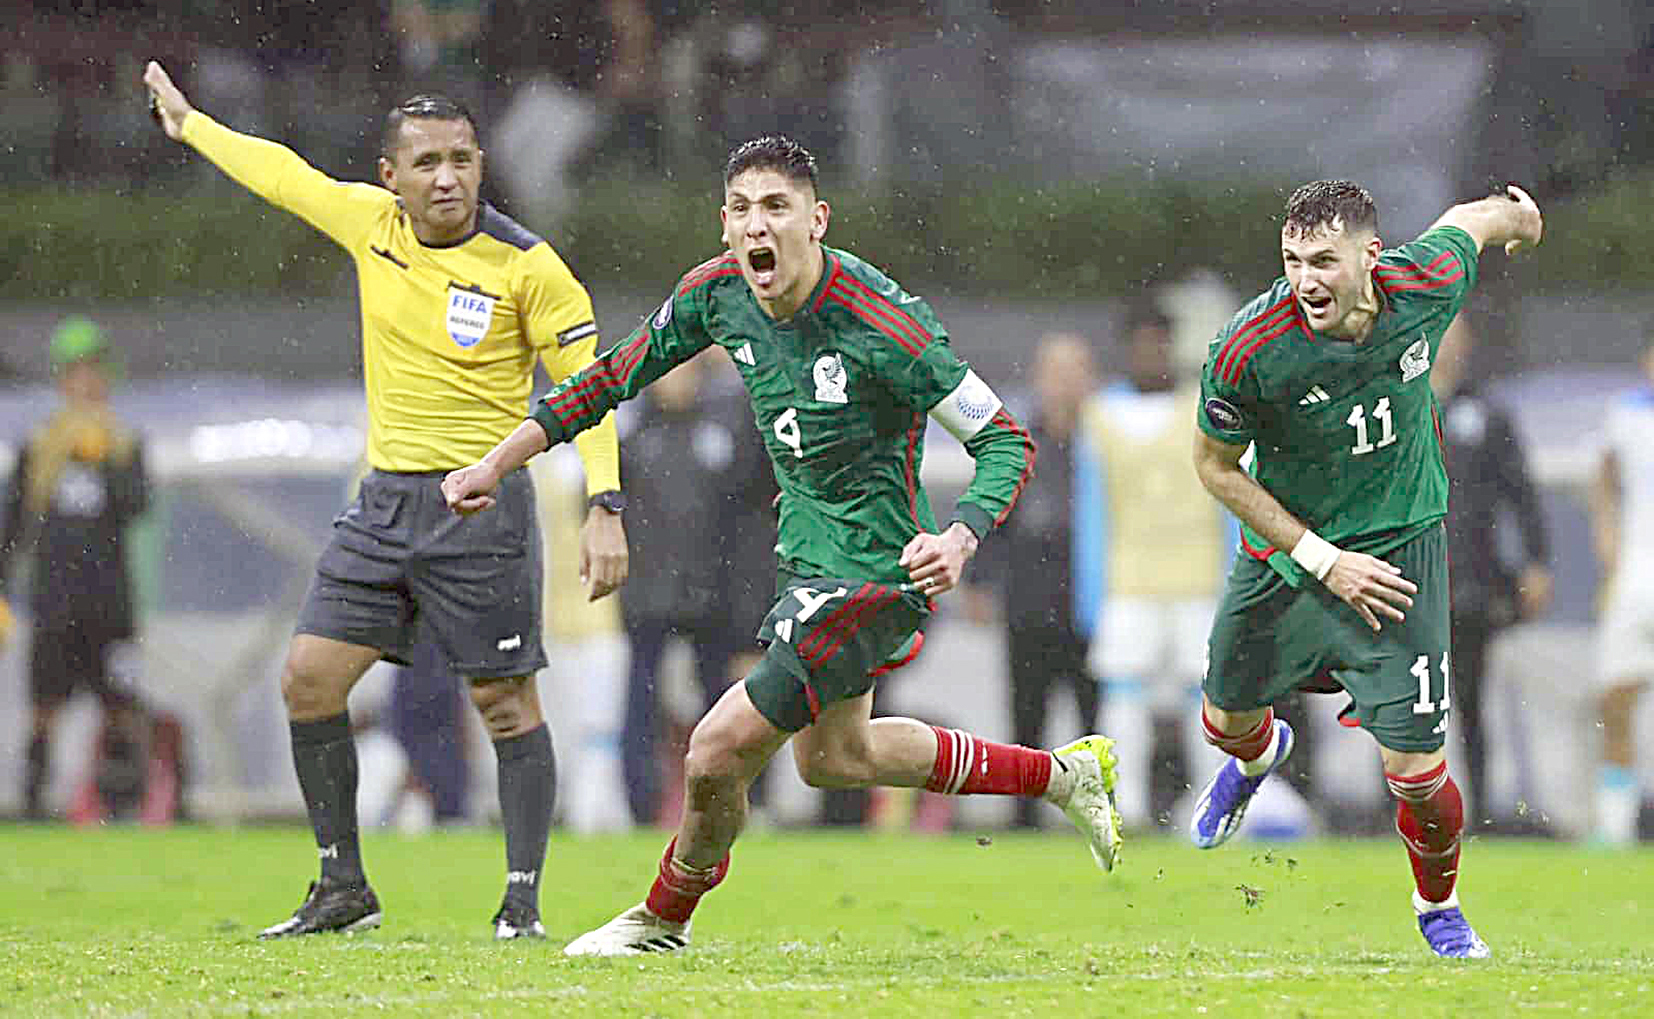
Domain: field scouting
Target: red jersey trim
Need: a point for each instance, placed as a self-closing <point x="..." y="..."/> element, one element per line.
<point x="712" y="268"/>
<point x="1264" y="321"/>
<point x="1029" y="454"/>
<point x="915" y="432"/>
<point x="1261" y="555"/>
<point x="832" y="277"/>
<point x="1443" y="270"/>
<point x="878" y="312"/>
<point x="612" y="372"/>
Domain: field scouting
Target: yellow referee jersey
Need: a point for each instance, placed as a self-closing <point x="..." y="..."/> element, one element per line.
<point x="449" y="333"/>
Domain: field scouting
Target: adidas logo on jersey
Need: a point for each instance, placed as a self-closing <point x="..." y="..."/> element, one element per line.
<point x="743" y="354"/>
<point x="1315" y="395"/>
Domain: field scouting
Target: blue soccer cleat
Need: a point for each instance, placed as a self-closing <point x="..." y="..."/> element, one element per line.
<point x="1223" y="802"/>
<point x="1447" y="931"/>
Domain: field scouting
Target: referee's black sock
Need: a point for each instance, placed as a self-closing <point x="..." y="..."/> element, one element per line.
<point x="324" y="755"/>
<point x="528" y="790"/>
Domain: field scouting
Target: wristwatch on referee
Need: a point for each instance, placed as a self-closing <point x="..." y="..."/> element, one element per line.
<point x="612" y="500"/>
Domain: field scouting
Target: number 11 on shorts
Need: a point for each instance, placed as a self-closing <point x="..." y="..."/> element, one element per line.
<point x="1421" y="669"/>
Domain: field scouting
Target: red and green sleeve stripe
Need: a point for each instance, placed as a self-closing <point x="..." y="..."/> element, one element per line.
<point x="1004" y="452"/>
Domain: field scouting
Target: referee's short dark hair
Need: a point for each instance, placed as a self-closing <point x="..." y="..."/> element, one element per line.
<point x="420" y="107"/>
<point x="772" y="152"/>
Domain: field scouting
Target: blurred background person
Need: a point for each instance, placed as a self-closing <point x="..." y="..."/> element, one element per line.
<point x="1489" y="486"/>
<point x="78" y="485"/>
<point x="1151" y="598"/>
<point x="586" y="646"/>
<point x="680" y="461"/>
<point x="1032" y="557"/>
<point x="1622" y="508"/>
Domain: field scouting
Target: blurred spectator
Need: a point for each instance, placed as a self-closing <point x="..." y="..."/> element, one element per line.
<point x="440" y="44"/>
<point x="1151" y="600"/>
<point x="427" y="718"/>
<point x="1623" y="518"/>
<point x="78" y="485"/>
<point x="1031" y="555"/>
<point x="1489" y="484"/>
<point x="585" y="675"/>
<point x="590" y="100"/>
<point x="683" y="465"/>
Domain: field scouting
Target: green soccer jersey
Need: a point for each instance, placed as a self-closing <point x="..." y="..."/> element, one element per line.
<point x="840" y="394"/>
<point x="1344" y="436"/>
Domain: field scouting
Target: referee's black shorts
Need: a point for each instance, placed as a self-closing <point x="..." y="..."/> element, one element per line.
<point x="401" y="567"/>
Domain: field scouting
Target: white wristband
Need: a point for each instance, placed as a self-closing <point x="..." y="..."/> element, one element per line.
<point x="1315" y="554"/>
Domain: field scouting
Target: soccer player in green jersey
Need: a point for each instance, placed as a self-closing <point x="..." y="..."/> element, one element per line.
<point x="842" y="367"/>
<point x="458" y="303"/>
<point x="1325" y="378"/>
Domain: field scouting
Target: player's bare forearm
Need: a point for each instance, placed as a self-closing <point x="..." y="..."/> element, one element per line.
<point x="1375" y="589"/>
<point x="471" y="489"/>
<point x="525" y="442"/>
<point x="1510" y="220"/>
<point x="1217" y="464"/>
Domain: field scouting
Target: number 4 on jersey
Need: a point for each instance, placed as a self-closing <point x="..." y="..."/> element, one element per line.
<point x="810" y="602"/>
<point x="786" y="429"/>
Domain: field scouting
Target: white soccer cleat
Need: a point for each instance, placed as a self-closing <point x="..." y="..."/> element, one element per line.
<point x="634" y="932"/>
<point x="1090" y="804"/>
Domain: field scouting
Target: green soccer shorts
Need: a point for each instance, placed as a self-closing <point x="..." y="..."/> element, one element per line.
<point x="1268" y="638"/>
<point x="828" y="641"/>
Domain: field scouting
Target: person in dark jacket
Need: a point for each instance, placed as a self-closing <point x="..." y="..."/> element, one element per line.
<point x="1031" y="556"/>
<point x="77" y="486"/>
<point x="1489" y="486"/>
<point x="690" y="471"/>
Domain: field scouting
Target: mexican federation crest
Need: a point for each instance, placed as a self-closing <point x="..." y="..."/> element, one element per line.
<point x="1416" y="361"/>
<point x="830" y="379"/>
<point x="469" y="314"/>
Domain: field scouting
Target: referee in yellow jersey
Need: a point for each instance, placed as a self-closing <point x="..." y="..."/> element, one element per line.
<point x="457" y="303"/>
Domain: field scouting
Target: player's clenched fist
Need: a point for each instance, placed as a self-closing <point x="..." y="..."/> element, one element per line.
<point x="470" y="489"/>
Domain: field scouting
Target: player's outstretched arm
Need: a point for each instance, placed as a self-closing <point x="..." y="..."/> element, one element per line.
<point x="471" y="489"/>
<point x="1509" y="219"/>
<point x="1371" y="586"/>
<point x="166" y="101"/>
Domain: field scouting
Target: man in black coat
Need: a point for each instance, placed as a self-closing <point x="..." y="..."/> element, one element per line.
<point x="1489" y="488"/>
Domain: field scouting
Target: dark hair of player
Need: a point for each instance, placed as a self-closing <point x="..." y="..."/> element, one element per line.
<point x="1320" y="204"/>
<point x="421" y="107"/>
<point x="772" y="152"/>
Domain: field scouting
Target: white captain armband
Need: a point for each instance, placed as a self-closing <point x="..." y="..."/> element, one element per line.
<point x="968" y="408"/>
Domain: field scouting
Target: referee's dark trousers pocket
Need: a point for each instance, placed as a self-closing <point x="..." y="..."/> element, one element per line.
<point x="381" y="507"/>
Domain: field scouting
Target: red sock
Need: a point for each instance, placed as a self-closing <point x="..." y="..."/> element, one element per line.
<point x="1429" y="819"/>
<point x="678" y="888"/>
<point x="969" y="764"/>
<point x="1249" y="745"/>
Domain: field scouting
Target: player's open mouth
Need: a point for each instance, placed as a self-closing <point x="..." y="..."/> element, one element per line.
<point x="762" y="261"/>
<point x="1316" y="305"/>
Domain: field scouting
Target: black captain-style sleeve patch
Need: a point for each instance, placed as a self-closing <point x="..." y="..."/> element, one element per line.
<point x="574" y="333"/>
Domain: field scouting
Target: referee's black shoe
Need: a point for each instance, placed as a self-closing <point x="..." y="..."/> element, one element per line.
<point x="330" y="906"/>
<point x="516" y="920"/>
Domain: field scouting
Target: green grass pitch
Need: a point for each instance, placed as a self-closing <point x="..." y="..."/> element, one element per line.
<point x="125" y="922"/>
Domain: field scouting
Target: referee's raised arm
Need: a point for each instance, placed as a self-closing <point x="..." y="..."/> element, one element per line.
<point x="166" y="102"/>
